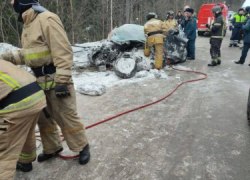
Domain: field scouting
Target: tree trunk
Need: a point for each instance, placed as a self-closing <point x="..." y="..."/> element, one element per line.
<point x="127" y="9"/>
<point x="72" y="22"/>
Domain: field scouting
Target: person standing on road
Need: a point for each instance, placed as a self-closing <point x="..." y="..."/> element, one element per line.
<point x="246" y="39"/>
<point x="170" y="23"/>
<point x="21" y="102"/>
<point x="189" y="25"/>
<point x="155" y="39"/>
<point x="179" y="17"/>
<point x="47" y="50"/>
<point x="237" y="22"/>
<point x="217" y="34"/>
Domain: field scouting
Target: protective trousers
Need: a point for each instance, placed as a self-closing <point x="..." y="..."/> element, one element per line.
<point x="158" y="56"/>
<point x="63" y="113"/>
<point x="215" y="49"/>
<point x="155" y="44"/>
<point x="17" y="140"/>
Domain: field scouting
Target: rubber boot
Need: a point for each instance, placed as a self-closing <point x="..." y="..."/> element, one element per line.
<point x="24" y="167"/>
<point x="218" y="61"/>
<point x="213" y="63"/>
<point x="238" y="62"/>
<point x="84" y="155"/>
<point x="44" y="157"/>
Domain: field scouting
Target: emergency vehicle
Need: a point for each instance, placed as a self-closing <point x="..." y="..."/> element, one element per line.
<point x="205" y="16"/>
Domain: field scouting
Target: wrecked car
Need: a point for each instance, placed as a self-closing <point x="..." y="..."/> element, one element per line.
<point x="118" y="50"/>
<point x="113" y="52"/>
<point x="175" y="47"/>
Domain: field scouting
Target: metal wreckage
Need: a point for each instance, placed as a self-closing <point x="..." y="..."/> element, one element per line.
<point x="121" y="51"/>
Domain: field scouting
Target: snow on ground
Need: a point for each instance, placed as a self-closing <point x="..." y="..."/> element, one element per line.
<point x="184" y="68"/>
<point x="110" y="79"/>
<point x="100" y="81"/>
<point x="6" y="47"/>
<point x="95" y="82"/>
<point x="81" y="52"/>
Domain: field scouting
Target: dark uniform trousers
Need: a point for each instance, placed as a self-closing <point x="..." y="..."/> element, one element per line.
<point x="245" y="49"/>
<point x="191" y="48"/>
<point x="215" y="48"/>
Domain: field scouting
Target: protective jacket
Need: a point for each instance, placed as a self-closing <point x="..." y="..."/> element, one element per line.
<point x="238" y="20"/>
<point x="217" y="28"/>
<point x="169" y="24"/>
<point x="155" y="38"/>
<point x="45" y="48"/>
<point x="153" y="29"/>
<point x="13" y="79"/>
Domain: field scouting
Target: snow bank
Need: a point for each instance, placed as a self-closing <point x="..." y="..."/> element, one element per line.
<point x="109" y="78"/>
<point x="92" y="89"/>
<point x="6" y="47"/>
<point x="81" y="52"/>
<point x="96" y="83"/>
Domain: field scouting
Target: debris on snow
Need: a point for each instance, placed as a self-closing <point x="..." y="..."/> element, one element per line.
<point x="142" y="74"/>
<point x="92" y="89"/>
<point x="159" y="74"/>
<point x="125" y="67"/>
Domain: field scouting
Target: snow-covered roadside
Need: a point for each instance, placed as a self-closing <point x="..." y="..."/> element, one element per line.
<point x="6" y="47"/>
<point x="95" y="82"/>
<point x="81" y="52"/>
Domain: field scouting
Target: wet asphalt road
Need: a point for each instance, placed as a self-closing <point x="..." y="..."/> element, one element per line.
<point x="200" y="133"/>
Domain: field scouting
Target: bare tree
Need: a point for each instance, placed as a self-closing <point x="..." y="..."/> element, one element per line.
<point x="86" y="20"/>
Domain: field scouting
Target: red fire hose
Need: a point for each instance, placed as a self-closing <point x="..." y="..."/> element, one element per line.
<point x="204" y="76"/>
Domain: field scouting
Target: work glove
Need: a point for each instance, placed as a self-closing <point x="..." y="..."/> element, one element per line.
<point x="208" y="26"/>
<point x="61" y="90"/>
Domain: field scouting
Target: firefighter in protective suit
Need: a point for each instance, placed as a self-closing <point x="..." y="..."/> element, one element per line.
<point x="155" y="39"/>
<point x="170" y="23"/>
<point x="217" y="34"/>
<point x="46" y="49"/>
<point x="21" y="101"/>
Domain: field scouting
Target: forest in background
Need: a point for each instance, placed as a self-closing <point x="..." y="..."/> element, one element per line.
<point x="92" y="20"/>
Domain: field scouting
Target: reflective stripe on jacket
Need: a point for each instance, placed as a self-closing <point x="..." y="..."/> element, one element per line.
<point x="218" y="27"/>
<point x="12" y="78"/>
<point x="238" y="20"/>
<point x="44" y="42"/>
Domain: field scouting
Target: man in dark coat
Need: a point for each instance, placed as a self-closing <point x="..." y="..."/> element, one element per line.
<point x="189" y="25"/>
<point x="246" y="30"/>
